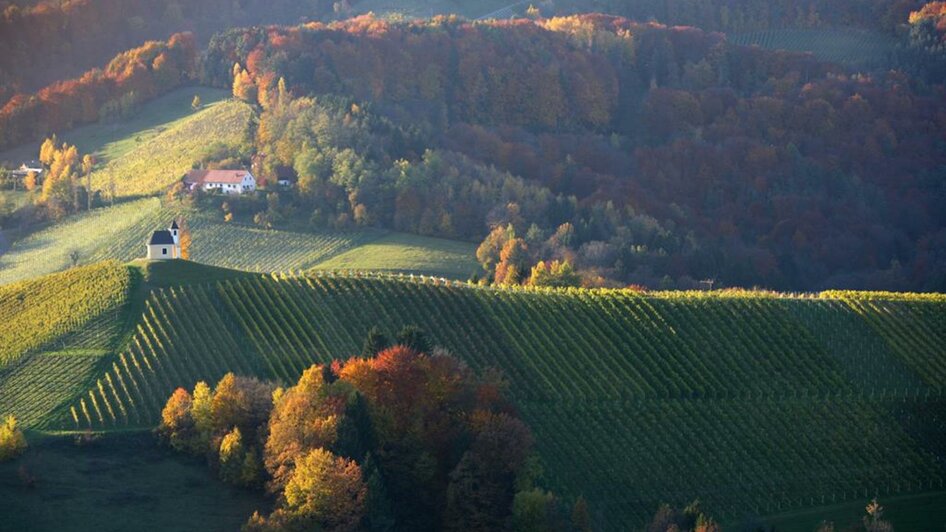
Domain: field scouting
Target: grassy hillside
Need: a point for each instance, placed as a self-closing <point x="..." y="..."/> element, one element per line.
<point x="151" y="164"/>
<point x="404" y="253"/>
<point x="755" y="403"/>
<point x="111" y="139"/>
<point x="120" y="232"/>
<point x="858" y="48"/>
<point x="117" y="483"/>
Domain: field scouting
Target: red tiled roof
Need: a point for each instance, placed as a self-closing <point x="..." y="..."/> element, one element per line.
<point x="199" y="177"/>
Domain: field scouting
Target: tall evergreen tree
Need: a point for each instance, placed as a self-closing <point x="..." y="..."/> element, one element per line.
<point x="375" y="342"/>
<point x="415" y="338"/>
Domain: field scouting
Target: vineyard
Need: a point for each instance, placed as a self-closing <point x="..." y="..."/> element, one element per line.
<point x="754" y="403"/>
<point x="858" y="48"/>
<point x="251" y="249"/>
<point x="155" y="162"/>
<point x="120" y="232"/>
<point x="109" y="139"/>
<point x="81" y="307"/>
<point x="42" y="388"/>
<point x="117" y="232"/>
<point x="84" y="310"/>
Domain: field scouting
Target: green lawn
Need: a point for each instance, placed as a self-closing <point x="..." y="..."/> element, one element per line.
<point x="404" y="253"/>
<point x="121" y="482"/>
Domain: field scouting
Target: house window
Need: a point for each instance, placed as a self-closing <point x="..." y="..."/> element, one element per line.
<point x="164" y="251"/>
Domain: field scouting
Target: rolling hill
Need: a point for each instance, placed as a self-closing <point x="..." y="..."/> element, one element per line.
<point x="119" y="233"/>
<point x="144" y="154"/>
<point x="755" y="403"/>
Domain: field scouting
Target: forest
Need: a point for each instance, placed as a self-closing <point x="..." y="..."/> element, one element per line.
<point x="747" y="15"/>
<point x="659" y="155"/>
<point x="47" y="41"/>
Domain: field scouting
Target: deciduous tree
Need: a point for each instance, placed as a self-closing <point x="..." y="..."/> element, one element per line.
<point x="12" y="441"/>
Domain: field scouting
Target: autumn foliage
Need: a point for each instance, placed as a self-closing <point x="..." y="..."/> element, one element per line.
<point x="130" y="78"/>
<point x="674" y="155"/>
<point x="403" y="436"/>
<point x="12" y="441"/>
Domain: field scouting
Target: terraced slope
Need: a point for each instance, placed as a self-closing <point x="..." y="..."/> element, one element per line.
<point x="756" y="404"/>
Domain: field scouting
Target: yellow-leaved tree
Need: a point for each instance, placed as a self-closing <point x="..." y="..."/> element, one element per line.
<point x="325" y="490"/>
<point x="12" y="441"/>
<point x="185" y="239"/>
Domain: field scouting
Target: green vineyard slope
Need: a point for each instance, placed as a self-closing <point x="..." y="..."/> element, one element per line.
<point x="752" y="403"/>
<point x="82" y="308"/>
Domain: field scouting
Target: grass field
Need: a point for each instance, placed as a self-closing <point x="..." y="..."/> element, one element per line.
<point x="735" y="399"/>
<point x="121" y="482"/>
<point x="403" y="253"/>
<point x="857" y="48"/>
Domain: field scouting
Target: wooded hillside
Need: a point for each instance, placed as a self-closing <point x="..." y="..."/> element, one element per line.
<point x="671" y="152"/>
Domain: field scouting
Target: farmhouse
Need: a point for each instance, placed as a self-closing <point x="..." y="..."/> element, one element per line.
<point x="226" y="181"/>
<point x="165" y="244"/>
<point x="29" y="166"/>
